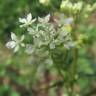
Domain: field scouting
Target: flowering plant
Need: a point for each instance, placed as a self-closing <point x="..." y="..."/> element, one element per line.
<point x="54" y="42"/>
<point x="43" y="34"/>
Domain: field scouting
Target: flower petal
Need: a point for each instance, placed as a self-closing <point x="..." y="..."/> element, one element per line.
<point x="22" y="20"/>
<point x="22" y="44"/>
<point x="23" y="25"/>
<point x="33" y="20"/>
<point x="13" y="36"/>
<point x="22" y="37"/>
<point x="47" y="18"/>
<point x="11" y="44"/>
<point x="16" y="49"/>
<point x="40" y="19"/>
<point x="29" y="17"/>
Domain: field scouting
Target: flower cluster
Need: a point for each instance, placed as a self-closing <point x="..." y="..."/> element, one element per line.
<point x="43" y="35"/>
<point x="76" y="7"/>
<point x="72" y="7"/>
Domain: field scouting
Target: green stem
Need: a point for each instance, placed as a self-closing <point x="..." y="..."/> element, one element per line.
<point x="73" y="71"/>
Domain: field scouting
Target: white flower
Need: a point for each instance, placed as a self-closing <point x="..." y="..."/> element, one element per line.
<point x="29" y="49"/>
<point x="69" y="45"/>
<point x="26" y="21"/>
<point x="45" y="19"/>
<point x="15" y="43"/>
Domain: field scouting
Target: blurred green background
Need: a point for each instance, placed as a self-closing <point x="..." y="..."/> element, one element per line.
<point x="20" y="78"/>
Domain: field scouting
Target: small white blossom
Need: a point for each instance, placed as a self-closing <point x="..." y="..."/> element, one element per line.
<point x="69" y="45"/>
<point x="26" y="21"/>
<point x="29" y="49"/>
<point x="45" y="19"/>
<point x="15" y="43"/>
